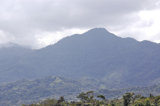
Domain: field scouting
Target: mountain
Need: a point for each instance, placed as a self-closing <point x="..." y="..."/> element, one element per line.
<point x="10" y="56"/>
<point x="31" y="91"/>
<point x="97" y="54"/>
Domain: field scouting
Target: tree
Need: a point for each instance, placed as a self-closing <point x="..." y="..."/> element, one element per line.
<point x="61" y="99"/>
<point x="101" y="97"/>
<point x="157" y="101"/>
<point x="136" y="97"/>
<point x="127" y="98"/>
<point x="147" y="103"/>
<point x="86" y="97"/>
<point x="83" y="97"/>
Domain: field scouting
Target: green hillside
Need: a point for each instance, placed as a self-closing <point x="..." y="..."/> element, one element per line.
<point x="31" y="91"/>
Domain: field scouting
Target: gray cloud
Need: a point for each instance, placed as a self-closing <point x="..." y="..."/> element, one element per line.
<point x="22" y="21"/>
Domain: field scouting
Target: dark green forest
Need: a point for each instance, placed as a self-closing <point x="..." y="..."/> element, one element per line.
<point x="92" y="99"/>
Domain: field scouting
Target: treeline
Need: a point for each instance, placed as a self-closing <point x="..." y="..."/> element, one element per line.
<point x="91" y="99"/>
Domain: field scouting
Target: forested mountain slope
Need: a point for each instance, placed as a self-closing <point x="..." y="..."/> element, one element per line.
<point x="98" y="54"/>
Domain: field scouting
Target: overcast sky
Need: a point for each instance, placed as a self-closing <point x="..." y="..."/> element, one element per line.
<point x="37" y="23"/>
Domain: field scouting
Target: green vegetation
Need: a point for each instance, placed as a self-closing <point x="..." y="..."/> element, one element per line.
<point x="32" y="91"/>
<point x="91" y="99"/>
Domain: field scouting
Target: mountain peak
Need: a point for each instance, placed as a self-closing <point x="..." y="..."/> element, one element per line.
<point x="99" y="33"/>
<point x="97" y="30"/>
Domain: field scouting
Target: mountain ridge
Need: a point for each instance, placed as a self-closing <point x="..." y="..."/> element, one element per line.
<point x="95" y="54"/>
<point x="30" y="91"/>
